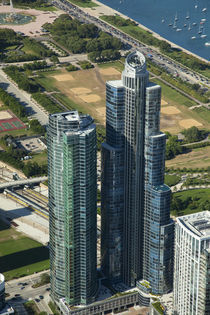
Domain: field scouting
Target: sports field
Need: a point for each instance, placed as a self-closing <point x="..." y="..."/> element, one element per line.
<point x="86" y="89"/>
<point x="8" y="121"/>
<point x="20" y="255"/>
<point x="197" y="158"/>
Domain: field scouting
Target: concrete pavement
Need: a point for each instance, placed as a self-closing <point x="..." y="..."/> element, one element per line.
<point x="20" y="291"/>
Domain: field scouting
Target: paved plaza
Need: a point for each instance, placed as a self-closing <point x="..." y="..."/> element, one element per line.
<point x="33" y="28"/>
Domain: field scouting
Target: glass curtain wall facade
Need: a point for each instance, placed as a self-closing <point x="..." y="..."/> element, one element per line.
<point x="158" y="227"/>
<point x="72" y="206"/>
<point x="147" y="231"/>
<point x="112" y="180"/>
<point x="192" y="264"/>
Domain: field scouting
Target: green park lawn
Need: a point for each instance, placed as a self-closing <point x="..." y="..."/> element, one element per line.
<point x="172" y="94"/>
<point x="199" y="201"/>
<point x="20" y="255"/>
<point x="114" y="64"/>
<point x="84" y="4"/>
<point x="172" y="180"/>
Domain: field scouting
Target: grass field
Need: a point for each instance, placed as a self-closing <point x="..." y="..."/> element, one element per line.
<point x="197" y="158"/>
<point x="171" y="180"/>
<point x="199" y="197"/>
<point x="176" y="123"/>
<point x="40" y="158"/>
<point x="92" y="101"/>
<point x="20" y="255"/>
<point x="83" y="90"/>
<point x="86" y="4"/>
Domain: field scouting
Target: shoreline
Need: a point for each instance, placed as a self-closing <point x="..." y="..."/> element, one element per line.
<point x="103" y="9"/>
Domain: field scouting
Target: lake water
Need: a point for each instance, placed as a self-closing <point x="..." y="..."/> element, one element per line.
<point x="158" y="14"/>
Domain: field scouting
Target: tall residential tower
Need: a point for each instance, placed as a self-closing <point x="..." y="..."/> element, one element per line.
<point x="137" y="232"/>
<point x="192" y="265"/>
<point x="72" y="207"/>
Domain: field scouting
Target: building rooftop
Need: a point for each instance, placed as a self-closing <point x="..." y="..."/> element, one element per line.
<point x="161" y="188"/>
<point x="152" y="86"/>
<point x="135" y="63"/>
<point x="75" y="120"/>
<point x="116" y="83"/>
<point x="197" y="223"/>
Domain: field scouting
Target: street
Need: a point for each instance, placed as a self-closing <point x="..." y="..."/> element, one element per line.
<point x="164" y="61"/>
<point x="20" y="291"/>
<point x="34" y="111"/>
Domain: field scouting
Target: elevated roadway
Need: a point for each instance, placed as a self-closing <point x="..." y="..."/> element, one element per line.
<point x="23" y="182"/>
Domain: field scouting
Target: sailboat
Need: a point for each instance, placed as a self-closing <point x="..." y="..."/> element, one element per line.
<point x="204" y="9"/>
<point x="176" y="17"/>
<point x="189" y="27"/>
<point x="187" y="16"/>
<point x="203" y="35"/>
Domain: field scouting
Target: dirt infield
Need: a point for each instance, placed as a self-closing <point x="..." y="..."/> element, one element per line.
<point x="163" y="102"/>
<point x="170" y="110"/>
<point x="90" y="98"/>
<point x="109" y="71"/>
<point x="187" y="123"/>
<point x="63" y="77"/>
<point x="80" y="91"/>
<point x="4" y="114"/>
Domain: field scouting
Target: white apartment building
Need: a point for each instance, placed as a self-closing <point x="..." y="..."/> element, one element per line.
<point x="192" y="264"/>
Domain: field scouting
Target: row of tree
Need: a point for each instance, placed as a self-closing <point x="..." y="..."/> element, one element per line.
<point x="147" y="38"/>
<point x="46" y="102"/>
<point x="12" y="103"/>
<point x="23" y="81"/>
<point x="194" y="134"/>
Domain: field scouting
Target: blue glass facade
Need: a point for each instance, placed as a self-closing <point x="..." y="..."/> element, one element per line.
<point x="112" y="183"/>
<point x="135" y="151"/>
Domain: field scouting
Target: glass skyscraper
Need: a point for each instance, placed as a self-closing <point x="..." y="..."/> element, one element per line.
<point x="72" y="207"/>
<point x="192" y="264"/>
<point x="137" y="232"/>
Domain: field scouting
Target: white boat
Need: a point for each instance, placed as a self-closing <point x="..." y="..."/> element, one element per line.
<point x="179" y="29"/>
<point x="185" y="25"/>
<point x="194" y="24"/>
<point x="207" y="44"/>
<point x="162" y="20"/>
<point x="193" y="37"/>
<point x="189" y="27"/>
<point x="170" y="24"/>
<point x="187" y="16"/>
<point x="204" y="9"/>
<point x="203" y="35"/>
<point x="196" y="6"/>
<point x="176" y="17"/>
<point x="203" y="20"/>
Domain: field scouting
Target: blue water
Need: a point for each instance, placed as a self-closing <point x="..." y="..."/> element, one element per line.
<point x="151" y="13"/>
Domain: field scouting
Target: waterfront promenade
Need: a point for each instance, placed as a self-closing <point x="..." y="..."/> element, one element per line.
<point x="102" y="9"/>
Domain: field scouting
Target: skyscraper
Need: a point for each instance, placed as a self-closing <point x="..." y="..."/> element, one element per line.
<point x="136" y="225"/>
<point x="192" y="264"/>
<point x="72" y="207"/>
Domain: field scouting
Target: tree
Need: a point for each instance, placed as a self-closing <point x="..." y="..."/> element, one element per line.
<point x="54" y="59"/>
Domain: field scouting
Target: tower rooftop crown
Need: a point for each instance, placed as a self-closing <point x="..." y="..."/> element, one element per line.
<point x="135" y="62"/>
